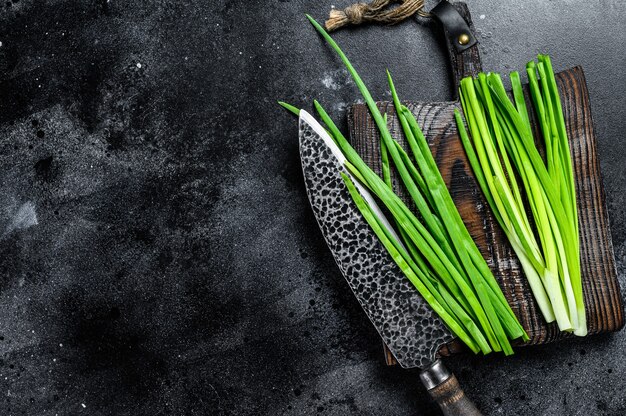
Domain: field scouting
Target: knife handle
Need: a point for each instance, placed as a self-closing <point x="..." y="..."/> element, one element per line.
<point x="444" y="388"/>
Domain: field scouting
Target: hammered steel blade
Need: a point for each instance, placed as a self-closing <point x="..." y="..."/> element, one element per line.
<point x="404" y="320"/>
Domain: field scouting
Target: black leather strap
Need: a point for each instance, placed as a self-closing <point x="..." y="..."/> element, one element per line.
<point x="455" y="27"/>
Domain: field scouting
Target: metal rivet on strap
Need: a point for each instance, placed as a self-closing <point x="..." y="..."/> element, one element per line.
<point x="463" y="39"/>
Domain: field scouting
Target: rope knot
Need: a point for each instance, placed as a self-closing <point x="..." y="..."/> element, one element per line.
<point x="354" y="13"/>
<point x="376" y="11"/>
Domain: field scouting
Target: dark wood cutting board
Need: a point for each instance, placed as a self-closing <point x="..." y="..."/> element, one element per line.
<point x="600" y="285"/>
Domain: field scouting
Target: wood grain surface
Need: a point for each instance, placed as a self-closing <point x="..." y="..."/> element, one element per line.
<point x="601" y="289"/>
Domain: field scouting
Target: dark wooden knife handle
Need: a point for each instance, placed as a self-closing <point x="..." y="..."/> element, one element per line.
<point x="452" y="399"/>
<point x="444" y="388"/>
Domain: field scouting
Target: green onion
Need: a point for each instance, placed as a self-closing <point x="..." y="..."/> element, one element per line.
<point x="501" y="150"/>
<point x="289" y="107"/>
<point x="413" y="273"/>
<point x="432" y="246"/>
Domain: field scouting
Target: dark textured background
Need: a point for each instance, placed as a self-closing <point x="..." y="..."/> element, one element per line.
<point x="158" y="255"/>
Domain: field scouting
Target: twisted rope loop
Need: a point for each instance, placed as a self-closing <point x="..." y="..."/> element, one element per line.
<point x="376" y="11"/>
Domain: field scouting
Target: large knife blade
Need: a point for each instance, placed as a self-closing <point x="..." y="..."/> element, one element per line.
<point x="407" y="324"/>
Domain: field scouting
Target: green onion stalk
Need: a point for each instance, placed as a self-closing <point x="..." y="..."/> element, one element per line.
<point x="431" y="246"/>
<point x="502" y="152"/>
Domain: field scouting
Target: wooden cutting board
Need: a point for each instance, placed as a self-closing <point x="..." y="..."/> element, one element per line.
<point x="600" y="285"/>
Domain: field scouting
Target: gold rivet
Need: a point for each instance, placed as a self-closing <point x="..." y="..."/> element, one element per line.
<point x="464" y="39"/>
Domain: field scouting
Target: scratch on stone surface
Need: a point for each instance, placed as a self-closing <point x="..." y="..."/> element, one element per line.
<point x="24" y="218"/>
<point x="219" y="399"/>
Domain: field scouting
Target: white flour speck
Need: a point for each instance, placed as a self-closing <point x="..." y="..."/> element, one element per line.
<point x="329" y="81"/>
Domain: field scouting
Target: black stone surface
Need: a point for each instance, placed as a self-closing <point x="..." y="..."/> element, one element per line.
<point x="158" y="254"/>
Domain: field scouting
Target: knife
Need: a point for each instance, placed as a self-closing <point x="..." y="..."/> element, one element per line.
<point x="405" y="321"/>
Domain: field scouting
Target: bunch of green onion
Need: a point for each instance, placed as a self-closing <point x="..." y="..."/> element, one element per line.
<point x="507" y="165"/>
<point x="432" y="247"/>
